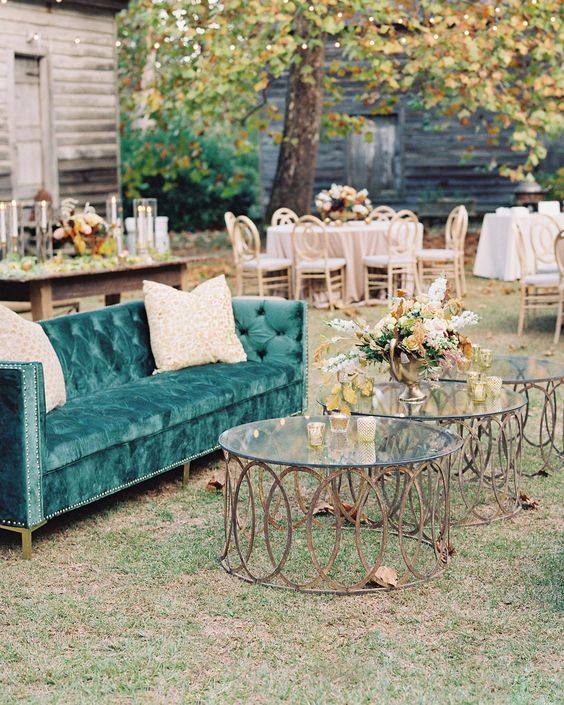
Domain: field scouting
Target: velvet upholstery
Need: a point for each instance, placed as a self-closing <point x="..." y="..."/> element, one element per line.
<point x="122" y="423"/>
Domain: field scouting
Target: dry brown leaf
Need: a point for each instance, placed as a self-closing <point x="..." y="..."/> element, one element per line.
<point x="527" y="502"/>
<point x="351" y="512"/>
<point x="386" y="577"/>
<point x="514" y="348"/>
<point x="215" y="484"/>
<point x="548" y="353"/>
<point x="507" y="290"/>
<point x="322" y="508"/>
<point x="444" y="551"/>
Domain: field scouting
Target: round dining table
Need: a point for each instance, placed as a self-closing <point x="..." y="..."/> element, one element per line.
<point x="352" y="240"/>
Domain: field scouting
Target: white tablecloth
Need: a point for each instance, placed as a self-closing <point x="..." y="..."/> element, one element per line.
<point x="497" y="257"/>
<point x="353" y="241"/>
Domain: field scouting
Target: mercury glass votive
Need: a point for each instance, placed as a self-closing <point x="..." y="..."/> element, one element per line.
<point x="486" y="358"/>
<point x="479" y="391"/>
<point x="494" y="385"/>
<point x="366" y="428"/>
<point x="471" y="378"/>
<point x="316" y="433"/>
<point x="476" y="356"/>
<point x="339" y="422"/>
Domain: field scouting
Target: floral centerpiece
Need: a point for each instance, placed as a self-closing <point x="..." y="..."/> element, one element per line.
<point x="343" y="203"/>
<point x="419" y="338"/>
<point x="88" y="232"/>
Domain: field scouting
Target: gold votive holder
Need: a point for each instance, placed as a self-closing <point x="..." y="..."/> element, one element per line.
<point x="476" y="356"/>
<point x="494" y="385"/>
<point x="316" y="433"/>
<point x="472" y="377"/>
<point x="366" y="428"/>
<point x="486" y="358"/>
<point x="479" y="391"/>
<point x="339" y="422"/>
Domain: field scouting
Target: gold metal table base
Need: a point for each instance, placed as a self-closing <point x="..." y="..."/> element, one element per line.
<point x="341" y="531"/>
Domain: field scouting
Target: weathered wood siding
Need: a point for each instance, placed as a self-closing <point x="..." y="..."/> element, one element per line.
<point x="430" y="162"/>
<point x="79" y="85"/>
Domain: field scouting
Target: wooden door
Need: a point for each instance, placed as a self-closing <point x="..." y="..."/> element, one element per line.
<point x="30" y="151"/>
<point x="373" y="156"/>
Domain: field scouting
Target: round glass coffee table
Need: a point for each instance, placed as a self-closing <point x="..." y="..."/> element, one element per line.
<point x="486" y="477"/>
<point x="542" y="383"/>
<point x="347" y="517"/>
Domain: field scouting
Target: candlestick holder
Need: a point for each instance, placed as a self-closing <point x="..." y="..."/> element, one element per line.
<point x="11" y="230"/>
<point x="114" y="218"/>
<point x="145" y="212"/>
<point x="43" y="232"/>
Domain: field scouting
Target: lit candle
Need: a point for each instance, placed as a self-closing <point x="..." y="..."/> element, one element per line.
<point x="44" y="215"/>
<point x="150" y="229"/>
<point x="14" y="219"/>
<point x="113" y="210"/>
<point x="2" y="223"/>
<point x="141" y="226"/>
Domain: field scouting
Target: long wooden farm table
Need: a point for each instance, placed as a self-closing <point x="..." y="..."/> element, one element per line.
<point x="43" y="290"/>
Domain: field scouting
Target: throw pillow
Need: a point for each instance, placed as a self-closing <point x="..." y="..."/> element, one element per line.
<point x="192" y="328"/>
<point x="25" y="341"/>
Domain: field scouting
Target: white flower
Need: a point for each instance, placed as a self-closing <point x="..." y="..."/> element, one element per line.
<point x="466" y="318"/>
<point x="435" y="329"/>
<point x="344" y="325"/>
<point x="437" y="290"/>
<point x="345" y="362"/>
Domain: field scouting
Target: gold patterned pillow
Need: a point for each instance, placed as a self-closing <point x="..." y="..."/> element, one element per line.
<point x="24" y="341"/>
<point x="192" y="328"/>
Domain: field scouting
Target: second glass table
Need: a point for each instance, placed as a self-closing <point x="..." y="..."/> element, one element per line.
<point x="487" y="473"/>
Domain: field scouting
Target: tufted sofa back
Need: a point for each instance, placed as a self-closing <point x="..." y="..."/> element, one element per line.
<point x="102" y="349"/>
<point x="111" y="346"/>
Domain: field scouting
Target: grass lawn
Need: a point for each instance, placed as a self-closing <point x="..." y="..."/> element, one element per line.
<point x="124" y="601"/>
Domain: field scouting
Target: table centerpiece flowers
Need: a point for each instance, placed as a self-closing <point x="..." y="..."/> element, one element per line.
<point x="417" y="339"/>
<point x="342" y="203"/>
<point x="88" y="231"/>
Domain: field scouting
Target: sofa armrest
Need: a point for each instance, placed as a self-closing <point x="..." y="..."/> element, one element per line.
<point x="274" y="331"/>
<point x="22" y="436"/>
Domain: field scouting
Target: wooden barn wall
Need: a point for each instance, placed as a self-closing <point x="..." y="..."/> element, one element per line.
<point x="433" y="162"/>
<point x="83" y="95"/>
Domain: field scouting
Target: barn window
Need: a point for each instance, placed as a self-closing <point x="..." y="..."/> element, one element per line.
<point x="373" y="156"/>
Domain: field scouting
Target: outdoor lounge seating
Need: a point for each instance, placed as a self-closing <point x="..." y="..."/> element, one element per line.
<point x="121" y="423"/>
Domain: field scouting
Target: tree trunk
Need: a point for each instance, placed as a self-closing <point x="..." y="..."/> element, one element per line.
<point x="297" y="160"/>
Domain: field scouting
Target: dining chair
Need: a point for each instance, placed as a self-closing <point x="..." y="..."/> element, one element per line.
<point x="398" y="267"/>
<point x="310" y="246"/>
<point x="256" y="272"/>
<point x="382" y="213"/>
<point x="284" y="216"/>
<point x="540" y="278"/>
<point x="449" y="260"/>
<point x="559" y="254"/>
<point x="230" y="219"/>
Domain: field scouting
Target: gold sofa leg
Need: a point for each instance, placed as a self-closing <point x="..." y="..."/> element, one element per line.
<point x="26" y="535"/>
<point x="185" y="474"/>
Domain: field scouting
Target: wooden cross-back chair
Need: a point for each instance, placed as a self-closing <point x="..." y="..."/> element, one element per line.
<point x="397" y="268"/>
<point x="255" y="272"/>
<point x="540" y="278"/>
<point x="449" y="260"/>
<point x="382" y="213"/>
<point x="312" y="263"/>
<point x="284" y="216"/>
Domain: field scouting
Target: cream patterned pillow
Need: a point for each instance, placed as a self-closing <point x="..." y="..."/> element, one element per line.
<point x="192" y="328"/>
<point x="24" y="341"/>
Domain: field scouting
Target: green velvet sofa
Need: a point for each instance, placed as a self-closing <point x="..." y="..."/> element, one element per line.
<point x="121" y="423"/>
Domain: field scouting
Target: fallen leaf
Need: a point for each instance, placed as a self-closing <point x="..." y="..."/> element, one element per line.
<point x="527" y="502"/>
<point x="352" y="511"/>
<point x="215" y="485"/>
<point x="444" y="551"/>
<point x="386" y="577"/>
<point x="322" y="508"/>
<point x="507" y="290"/>
<point x="513" y="348"/>
<point x="548" y="353"/>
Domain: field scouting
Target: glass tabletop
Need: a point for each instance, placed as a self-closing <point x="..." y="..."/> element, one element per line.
<point x="518" y="368"/>
<point x="284" y="441"/>
<point x="444" y="401"/>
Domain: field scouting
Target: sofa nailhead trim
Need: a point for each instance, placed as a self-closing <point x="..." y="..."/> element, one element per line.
<point x="133" y="482"/>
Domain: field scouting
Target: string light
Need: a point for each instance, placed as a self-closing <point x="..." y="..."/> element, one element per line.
<point x="339" y="14"/>
<point x="494" y="28"/>
<point x="403" y="40"/>
<point x="496" y="9"/>
<point x="311" y="8"/>
<point x="371" y="42"/>
<point x="553" y="19"/>
<point x="525" y="23"/>
<point x="77" y="40"/>
<point x="156" y="45"/>
<point x="466" y="32"/>
<point x="118" y="43"/>
<point x="337" y="44"/>
<point x="435" y="36"/>
<point x="371" y="19"/>
<point x="466" y="17"/>
<point x="268" y="47"/>
<point x="304" y="46"/>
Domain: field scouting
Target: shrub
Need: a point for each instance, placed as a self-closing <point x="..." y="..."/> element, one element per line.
<point x="195" y="179"/>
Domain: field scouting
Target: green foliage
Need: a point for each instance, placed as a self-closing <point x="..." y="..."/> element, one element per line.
<point x="552" y="182"/>
<point x="195" y="179"/>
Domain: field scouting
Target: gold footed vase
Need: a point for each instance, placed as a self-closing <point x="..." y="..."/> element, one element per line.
<point x="408" y="373"/>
